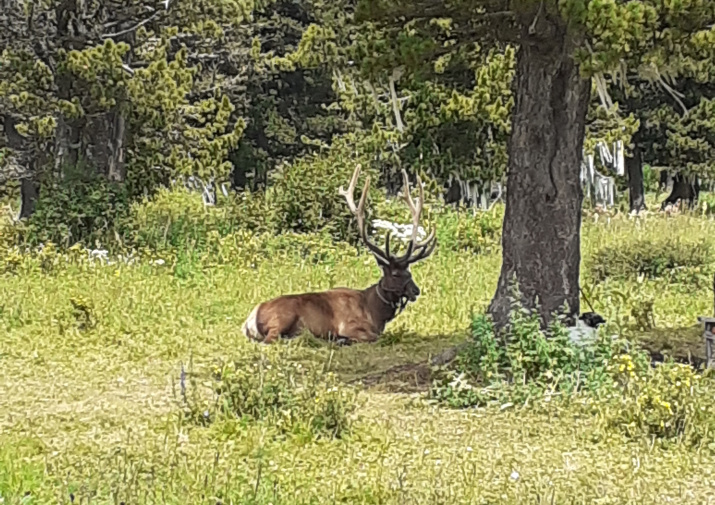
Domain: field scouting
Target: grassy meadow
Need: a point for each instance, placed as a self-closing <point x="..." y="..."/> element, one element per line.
<point x="93" y="402"/>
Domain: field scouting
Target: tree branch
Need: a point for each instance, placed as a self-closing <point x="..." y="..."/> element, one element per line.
<point x="131" y="29"/>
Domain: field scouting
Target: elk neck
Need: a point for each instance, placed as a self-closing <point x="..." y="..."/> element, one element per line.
<point x="382" y="303"/>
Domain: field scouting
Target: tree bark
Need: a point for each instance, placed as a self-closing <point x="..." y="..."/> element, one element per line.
<point x="102" y="140"/>
<point x="541" y="232"/>
<point x="663" y="180"/>
<point x="29" y="192"/>
<point x="685" y="189"/>
<point x="636" y="193"/>
<point x="29" y="186"/>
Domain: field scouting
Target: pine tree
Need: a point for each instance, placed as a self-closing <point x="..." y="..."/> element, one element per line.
<point x="561" y="46"/>
<point x="98" y="87"/>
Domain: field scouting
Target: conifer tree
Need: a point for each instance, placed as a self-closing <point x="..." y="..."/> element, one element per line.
<point x="102" y="86"/>
<point x="676" y="135"/>
<point x="562" y="45"/>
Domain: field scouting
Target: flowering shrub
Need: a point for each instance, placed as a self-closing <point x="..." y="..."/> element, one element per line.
<point x="672" y="401"/>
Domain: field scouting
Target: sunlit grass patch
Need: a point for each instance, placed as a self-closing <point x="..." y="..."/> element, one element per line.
<point x="90" y="358"/>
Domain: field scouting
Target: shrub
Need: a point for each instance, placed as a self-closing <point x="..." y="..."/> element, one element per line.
<point x="268" y="387"/>
<point x="249" y="249"/>
<point x="670" y="402"/>
<point x="313" y="248"/>
<point x="10" y="259"/>
<point x="613" y="378"/>
<point x="10" y="256"/>
<point x="79" y="208"/>
<point x="651" y="257"/>
<point x="177" y="220"/>
<point x="706" y="203"/>
<point x="304" y="197"/>
<point x="46" y="258"/>
<point x="458" y="231"/>
<point x="521" y="364"/>
<point x="461" y="231"/>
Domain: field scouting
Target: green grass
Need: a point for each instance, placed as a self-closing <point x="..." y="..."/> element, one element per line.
<point x="91" y="413"/>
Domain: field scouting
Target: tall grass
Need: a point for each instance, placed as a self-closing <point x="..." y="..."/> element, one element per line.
<point x="91" y="359"/>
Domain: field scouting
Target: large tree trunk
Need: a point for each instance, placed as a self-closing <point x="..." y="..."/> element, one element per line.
<point x="104" y="138"/>
<point x="542" y="222"/>
<point x="29" y="193"/>
<point x="29" y="186"/>
<point x="684" y="189"/>
<point x="636" y="193"/>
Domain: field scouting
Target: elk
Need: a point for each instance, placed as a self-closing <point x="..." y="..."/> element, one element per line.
<point x="349" y="315"/>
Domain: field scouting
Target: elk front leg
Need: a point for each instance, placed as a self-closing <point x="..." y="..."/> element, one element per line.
<point x="357" y="335"/>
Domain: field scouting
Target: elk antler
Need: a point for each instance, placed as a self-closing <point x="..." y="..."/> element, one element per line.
<point x="421" y="249"/>
<point x="359" y="213"/>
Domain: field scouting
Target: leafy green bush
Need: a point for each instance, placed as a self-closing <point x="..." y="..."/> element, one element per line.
<point x="304" y="197"/>
<point x="670" y="402"/>
<point x="8" y="232"/>
<point x="11" y="258"/>
<point x="706" y="203"/>
<point x="79" y="208"/>
<point x="649" y="257"/>
<point x="269" y="387"/>
<point x="478" y="233"/>
<point x="523" y="363"/>
<point x="177" y="220"/>
<point x="462" y="231"/>
<point x="613" y="379"/>
<point x="650" y="179"/>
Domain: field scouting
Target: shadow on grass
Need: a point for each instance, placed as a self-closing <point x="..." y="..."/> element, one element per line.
<point x="404" y="366"/>
<point x="398" y="362"/>
<point x="401" y="359"/>
<point x="684" y="344"/>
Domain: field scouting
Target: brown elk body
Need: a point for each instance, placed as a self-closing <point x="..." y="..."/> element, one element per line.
<point x="343" y="314"/>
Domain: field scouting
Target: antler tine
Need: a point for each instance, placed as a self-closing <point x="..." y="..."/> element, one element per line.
<point x="359" y="212"/>
<point x="351" y="189"/>
<point x="425" y="249"/>
<point x="416" y="210"/>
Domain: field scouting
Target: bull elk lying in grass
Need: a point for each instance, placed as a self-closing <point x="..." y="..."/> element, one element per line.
<point x="349" y="315"/>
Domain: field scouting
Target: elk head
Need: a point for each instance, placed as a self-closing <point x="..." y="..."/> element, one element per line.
<point x="396" y="287"/>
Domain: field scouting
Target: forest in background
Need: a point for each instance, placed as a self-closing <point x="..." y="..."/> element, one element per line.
<point x="132" y="96"/>
<point x="174" y="163"/>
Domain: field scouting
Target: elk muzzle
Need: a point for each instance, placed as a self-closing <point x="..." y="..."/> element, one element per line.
<point x="411" y="291"/>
